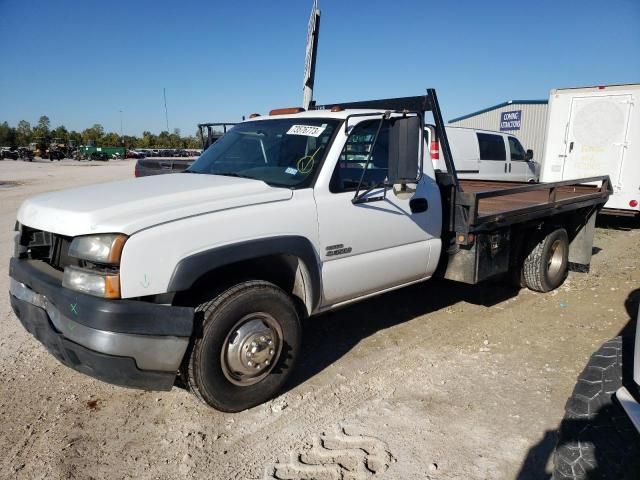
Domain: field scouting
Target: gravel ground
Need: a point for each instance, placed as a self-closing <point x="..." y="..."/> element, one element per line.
<point x="438" y="380"/>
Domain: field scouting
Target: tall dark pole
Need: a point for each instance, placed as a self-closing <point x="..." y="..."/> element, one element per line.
<point x="121" y="135"/>
<point x="313" y="34"/>
<point x="166" y="113"/>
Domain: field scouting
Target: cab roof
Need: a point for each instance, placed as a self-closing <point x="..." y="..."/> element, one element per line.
<point x="319" y="114"/>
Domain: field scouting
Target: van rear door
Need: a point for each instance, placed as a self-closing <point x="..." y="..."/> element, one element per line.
<point x="596" y="137"/>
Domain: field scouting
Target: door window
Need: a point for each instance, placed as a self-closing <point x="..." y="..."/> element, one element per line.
<point x="517" y="150"/>
<point x="353" y="158"/>
<point x="491" y="147"/>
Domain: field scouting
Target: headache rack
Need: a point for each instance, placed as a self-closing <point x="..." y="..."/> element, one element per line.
<point x="421" y="104"/>
<point x="480" y="206"/>
<point x="208" y="134"/>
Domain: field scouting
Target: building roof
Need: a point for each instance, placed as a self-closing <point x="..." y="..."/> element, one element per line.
<point x="500" y="105"/>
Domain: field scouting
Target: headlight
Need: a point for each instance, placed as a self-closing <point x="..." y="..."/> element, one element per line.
<point x="100" y="284"/>
<point x="104" y="248"/>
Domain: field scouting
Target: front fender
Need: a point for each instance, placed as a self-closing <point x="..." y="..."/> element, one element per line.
<point x="191" y="268"/>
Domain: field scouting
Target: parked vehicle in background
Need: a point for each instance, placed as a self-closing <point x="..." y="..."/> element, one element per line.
<point x="58" y="149"/>
<point x="596" y="131"/>
<point x="9" y="153"/>
<point x="86" y="152"/>
<point x="25" y="154"/>
<point x="38" y="147"/>
<point x="134" y="154"/>
<point x="487" y="155"/>
<point x="178" y="160"/>
<point x="109" y="277"/>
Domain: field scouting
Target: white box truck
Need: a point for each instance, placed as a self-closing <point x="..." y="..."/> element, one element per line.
<point x="596" y="131"/>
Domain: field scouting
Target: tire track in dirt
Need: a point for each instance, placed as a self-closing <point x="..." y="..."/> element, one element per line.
<point x="335" y="456"/>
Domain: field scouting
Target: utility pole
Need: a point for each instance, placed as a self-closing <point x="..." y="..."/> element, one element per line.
<point x="166" y="113"/>
<point x="121" y="135"/>
<point x="313" y="33"/>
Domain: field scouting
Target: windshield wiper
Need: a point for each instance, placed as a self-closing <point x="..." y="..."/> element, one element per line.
<point x="234" y="174"/>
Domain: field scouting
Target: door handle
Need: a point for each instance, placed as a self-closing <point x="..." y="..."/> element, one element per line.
<point x="570" y="147"/>
<point x="505" y="168"/>
<point x="418" y="205"/>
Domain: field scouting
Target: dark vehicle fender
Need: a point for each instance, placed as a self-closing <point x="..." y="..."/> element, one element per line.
<point x="194" y="267"/>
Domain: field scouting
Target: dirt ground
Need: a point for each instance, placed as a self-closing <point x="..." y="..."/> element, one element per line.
<point x="435" y="381"/>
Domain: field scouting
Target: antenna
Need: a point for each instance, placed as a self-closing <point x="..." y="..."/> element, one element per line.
<point x="313" y="33"/>
<point x="166" y="113"/>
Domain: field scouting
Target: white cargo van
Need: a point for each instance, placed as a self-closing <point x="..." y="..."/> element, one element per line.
<point x="596" y="131"/>
<point x="487" y="155"/>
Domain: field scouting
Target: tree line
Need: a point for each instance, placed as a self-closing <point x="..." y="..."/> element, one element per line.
<point x="23" y="134"/>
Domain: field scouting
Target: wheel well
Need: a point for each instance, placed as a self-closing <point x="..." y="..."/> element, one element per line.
<point x="525" y="236"/>
<point x="288" y="272"/>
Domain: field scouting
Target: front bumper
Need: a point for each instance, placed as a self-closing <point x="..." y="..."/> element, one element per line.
<point x="130" y="343"/>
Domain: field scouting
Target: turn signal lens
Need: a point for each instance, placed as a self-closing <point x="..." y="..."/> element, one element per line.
<point x="106" y="285"/>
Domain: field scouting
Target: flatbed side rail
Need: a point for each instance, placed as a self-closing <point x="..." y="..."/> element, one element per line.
<point x="470" y="201"/>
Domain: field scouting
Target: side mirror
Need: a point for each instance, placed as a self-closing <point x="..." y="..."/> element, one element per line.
<point x="529" y="155"/>
<point x="405" y="150"/>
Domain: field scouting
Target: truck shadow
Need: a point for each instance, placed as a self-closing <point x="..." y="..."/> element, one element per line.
<point x="611" y="222"/>
<point x="348" y="326"/>
<point x="539" y="456"/>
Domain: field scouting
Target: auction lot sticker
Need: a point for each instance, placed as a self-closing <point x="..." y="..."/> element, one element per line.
<point x="306" y="130"/>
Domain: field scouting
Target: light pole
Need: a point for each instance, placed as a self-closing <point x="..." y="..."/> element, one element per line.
<point x="121" y="136"/>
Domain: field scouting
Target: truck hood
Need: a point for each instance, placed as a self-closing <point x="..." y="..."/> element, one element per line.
<point x="132" y="205"/>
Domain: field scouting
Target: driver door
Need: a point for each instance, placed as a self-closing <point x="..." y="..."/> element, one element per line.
<point x="368" y="247"/>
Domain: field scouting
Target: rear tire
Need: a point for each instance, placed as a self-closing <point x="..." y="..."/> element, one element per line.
<point x="546" y="266"/>
<point x="246" y="347"/>
<point x="596" y="439"/>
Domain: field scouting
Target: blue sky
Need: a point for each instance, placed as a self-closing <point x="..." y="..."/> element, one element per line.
<point x="81" y="61"/>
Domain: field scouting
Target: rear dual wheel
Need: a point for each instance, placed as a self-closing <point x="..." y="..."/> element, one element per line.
<point x="246" y="347"/>
<point x="546" y="266"/>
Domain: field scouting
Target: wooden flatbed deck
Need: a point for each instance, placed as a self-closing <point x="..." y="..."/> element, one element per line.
<point x="488" y="204"/>
<point x="516" y="201"/>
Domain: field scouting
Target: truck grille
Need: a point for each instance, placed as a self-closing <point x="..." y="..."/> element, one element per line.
<point x="49" y="247"/>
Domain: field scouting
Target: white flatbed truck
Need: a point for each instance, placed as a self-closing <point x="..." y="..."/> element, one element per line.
<point x="205" y="275"/>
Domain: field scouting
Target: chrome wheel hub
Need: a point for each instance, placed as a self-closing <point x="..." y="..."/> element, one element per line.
<point x="251" y="349"/>
<point x="556" y="258"/>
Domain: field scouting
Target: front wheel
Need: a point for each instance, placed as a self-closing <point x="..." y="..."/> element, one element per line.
<point x="246" y="347"/>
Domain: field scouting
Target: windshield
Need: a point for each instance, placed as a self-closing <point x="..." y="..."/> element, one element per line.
<point x="282" y="152"/>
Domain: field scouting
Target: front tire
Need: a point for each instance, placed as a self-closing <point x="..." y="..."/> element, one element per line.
<point x="246" y="347"/>
<point x="546" y="266"/>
